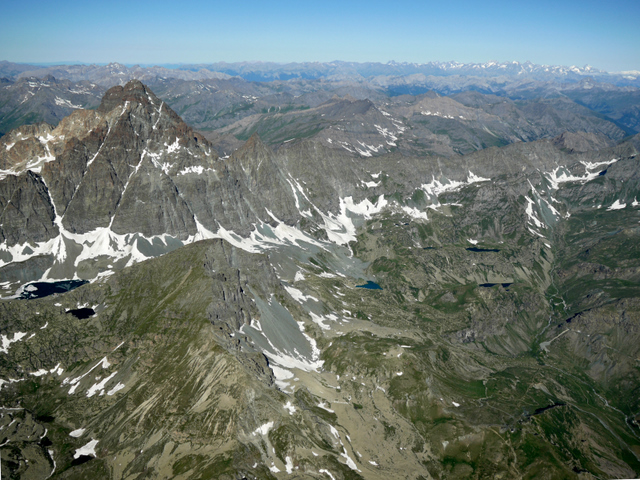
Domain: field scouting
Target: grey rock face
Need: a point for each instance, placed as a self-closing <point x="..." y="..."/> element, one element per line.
<point x="133" y="167"/>
<point x="27" y="214"/>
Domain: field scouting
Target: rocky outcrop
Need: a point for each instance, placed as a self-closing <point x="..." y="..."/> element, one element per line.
<point x="27" y="214"/>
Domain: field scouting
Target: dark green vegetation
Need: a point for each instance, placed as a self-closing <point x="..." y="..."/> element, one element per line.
<point x="524" y="409"/>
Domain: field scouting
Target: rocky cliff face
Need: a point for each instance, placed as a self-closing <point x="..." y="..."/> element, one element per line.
<point x="132" y="167"/>
<point x="226" y="332"/>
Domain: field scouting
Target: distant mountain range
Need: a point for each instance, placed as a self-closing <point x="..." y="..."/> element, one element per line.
<point x="414" y="114"/>
<point x="338" y="70"/>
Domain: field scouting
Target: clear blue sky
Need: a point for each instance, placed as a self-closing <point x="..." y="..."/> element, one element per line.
<point x="601" y="33"/>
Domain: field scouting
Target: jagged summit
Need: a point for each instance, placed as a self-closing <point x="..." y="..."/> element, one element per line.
<point x="133" y="91"/>
<point x="128" y="181"/>
<point x="106" y="172"/>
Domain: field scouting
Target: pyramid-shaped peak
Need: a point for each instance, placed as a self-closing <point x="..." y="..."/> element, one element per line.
<point x="252" y="149"/>
<point x="254" y="141"/>
<point x="132" y="91"/>
<point x="254" y="144"/>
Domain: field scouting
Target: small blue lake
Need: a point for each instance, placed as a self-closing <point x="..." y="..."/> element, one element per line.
<point x="82" y="313"/>
<point x="44" y="289"/>
<point x="489" y="285"/>
<point x="370" y="285"/>
<point x="477" y="249"/>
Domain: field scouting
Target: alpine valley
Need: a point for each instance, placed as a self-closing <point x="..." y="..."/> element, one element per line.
<point x="325" y="271"/>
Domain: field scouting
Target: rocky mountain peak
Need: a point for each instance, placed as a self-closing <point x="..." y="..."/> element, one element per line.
<point x="252" y="153"/>
<point x="253" y="145"/>
<point x="132" y="91"/>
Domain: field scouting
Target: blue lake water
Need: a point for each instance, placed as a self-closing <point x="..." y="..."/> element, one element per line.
<point x="370" y="285"/>
<point x="82" y="313"/>
<point x="477" y="249"/>
<point x="489" y="285"/>
<point x="44" y="289"/>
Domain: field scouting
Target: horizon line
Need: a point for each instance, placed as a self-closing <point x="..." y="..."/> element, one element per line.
<point x="388" y="62"/>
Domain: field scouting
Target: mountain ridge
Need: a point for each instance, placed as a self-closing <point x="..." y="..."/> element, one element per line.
<point x="308" y="310"/>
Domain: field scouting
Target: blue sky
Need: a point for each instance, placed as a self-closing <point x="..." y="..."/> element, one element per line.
<point x="602" y="34"/>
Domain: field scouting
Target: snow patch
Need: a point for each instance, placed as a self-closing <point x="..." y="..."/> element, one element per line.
<point x="319" y="320"/>
<point x="263" y="429"/>
<point x="6" y="341"/>
<point x="324" y="470"/>
<point x="290" y="407"/>
<point x="198" y="170"/>
<point x="388" y="136"/>
<point x="174" y="147"/>
<point x="115" y="389"/>
<point x="65" y="103"/>
<point x="562" y="175"/>
<point x="436" y="188"/>
<point x="88" y="449"/>
<point x="531" y="214"/>
<point x="99" y="387"/>
<point x="349" y="461"/>
<point x="298" y="296"/>
<point x="42" y="371"/>
<point x="371" y="184"/>
<point x="264" y="237"/>
<point x="323" y="406"/>
<point x="617" y="205"/>
<point x="281" y="374"/>
<point x="327" y="275"/>
<point x="11" y="380"/>
<point x="435" y="114"/>
<point x="340" y="228"/>
<point x="76" y="381"/>
<point x="472" y="178"/>
<point x="288" y="465"/>
<point x="415" y="213"/>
